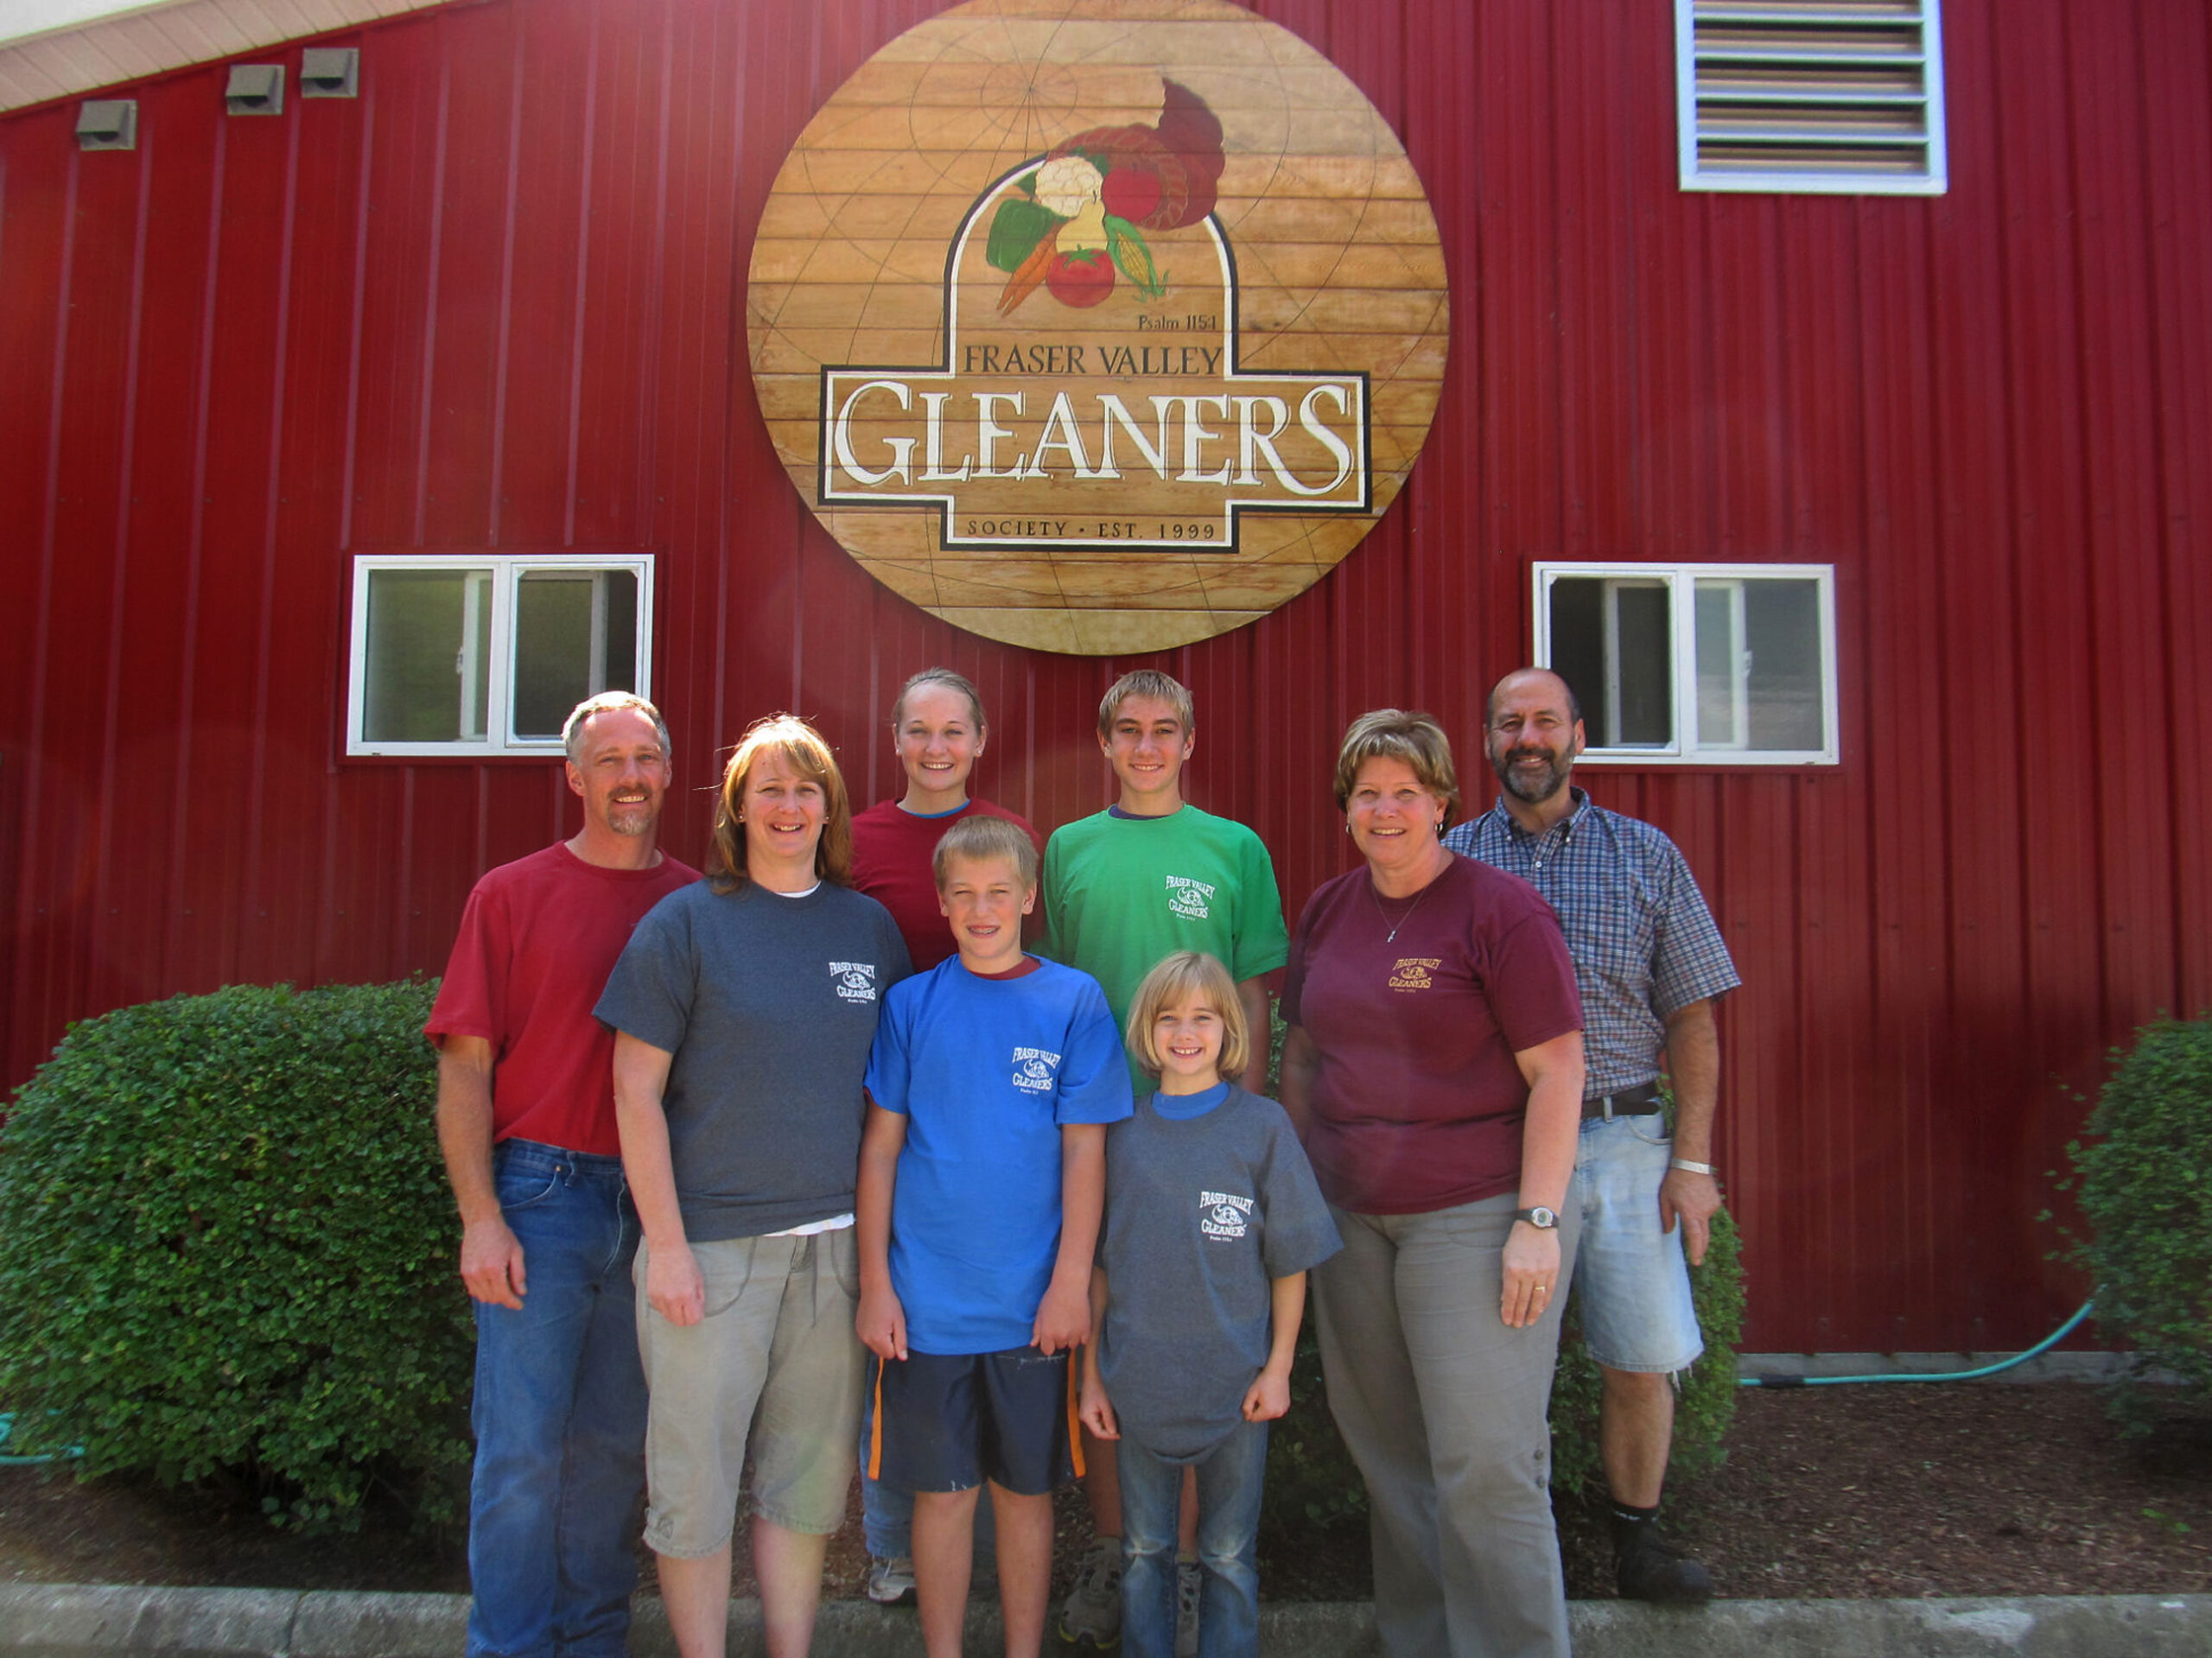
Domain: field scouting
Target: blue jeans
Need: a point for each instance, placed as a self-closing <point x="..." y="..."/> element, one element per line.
<point x="1231" y="1477"/>
<point x="560" y="1416"/>
<point x="888" y="1512"/>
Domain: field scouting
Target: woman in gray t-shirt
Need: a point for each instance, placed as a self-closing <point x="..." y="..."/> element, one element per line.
<point x="743" y="1008"/>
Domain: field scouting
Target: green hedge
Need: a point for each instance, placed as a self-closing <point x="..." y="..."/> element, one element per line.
<point x="2146" y="1187"/>
<point x="226" y="1245"/>
<point x="1311" y="1478"/>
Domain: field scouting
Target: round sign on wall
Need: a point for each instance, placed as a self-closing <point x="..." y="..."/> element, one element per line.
<point x="1098" y="326"/>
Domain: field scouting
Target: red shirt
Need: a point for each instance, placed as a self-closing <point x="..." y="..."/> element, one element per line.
<point x="892" y="850"/>
<point x="1418" y="1103"/>
<point x="537" y="940"/>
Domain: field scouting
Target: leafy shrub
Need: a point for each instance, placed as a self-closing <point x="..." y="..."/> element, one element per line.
<point x="1311" y="1480"/>
<point x="226" y="1246"/>
<point x="2146" y="1190"/>
<point x="1706" y="1404"/>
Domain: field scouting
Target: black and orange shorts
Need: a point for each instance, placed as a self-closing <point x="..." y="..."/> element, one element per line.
<point x="948" y="1422"/>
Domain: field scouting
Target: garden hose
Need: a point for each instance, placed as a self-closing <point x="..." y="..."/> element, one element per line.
<point x="2036" y="1351"/>
<point x="8" y="1428"/>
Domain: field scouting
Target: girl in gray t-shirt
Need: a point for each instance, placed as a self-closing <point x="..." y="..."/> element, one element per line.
<point x="1213" y="1218"/>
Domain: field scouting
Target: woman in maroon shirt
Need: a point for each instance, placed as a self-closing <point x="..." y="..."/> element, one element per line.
<point x="1434" y="1065"/>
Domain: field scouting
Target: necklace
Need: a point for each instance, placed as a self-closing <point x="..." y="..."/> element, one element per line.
<point x="1391" y="936"/>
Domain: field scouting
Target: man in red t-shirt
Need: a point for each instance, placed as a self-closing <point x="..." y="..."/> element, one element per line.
<point x="526" y="1122"/>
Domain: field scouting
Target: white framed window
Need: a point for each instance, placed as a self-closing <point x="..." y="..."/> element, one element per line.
<point x="1695" y="664"/>
<point x="486" y="653"/>
<point x="1843" y="97"/>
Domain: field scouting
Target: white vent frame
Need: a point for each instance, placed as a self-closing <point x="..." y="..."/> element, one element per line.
<point x="1704" y="170"/>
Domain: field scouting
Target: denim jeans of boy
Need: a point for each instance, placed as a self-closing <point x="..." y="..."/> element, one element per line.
<point x="1231" y="1477"/>
<point x="560" y="1416"/>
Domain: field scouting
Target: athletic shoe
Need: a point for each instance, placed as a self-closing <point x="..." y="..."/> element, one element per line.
<point x="1654" y="1569"/>
<point x="891" y="1582"/>
<point x="1091" y="1614"/>
<point x="1187" y="1609"/>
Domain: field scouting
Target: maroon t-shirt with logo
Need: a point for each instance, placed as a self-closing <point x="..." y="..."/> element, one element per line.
<point x="1418" y="1103"/>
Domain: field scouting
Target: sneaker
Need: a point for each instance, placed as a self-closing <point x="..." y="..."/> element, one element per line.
<point x="891" y="1582"/>
<point x="1656" y="1570"/>
<point x="1187" y="1609"/>
<point x="1091" y="1614"/>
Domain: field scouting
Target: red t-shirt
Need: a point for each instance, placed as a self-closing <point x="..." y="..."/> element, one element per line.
<point x="1417" y="1104"/>
<point x="537" y="940"/>
<point x="892" y="850"/>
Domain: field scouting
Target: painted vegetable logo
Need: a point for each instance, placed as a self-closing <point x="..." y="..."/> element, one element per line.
<point x="1083" y="212"/>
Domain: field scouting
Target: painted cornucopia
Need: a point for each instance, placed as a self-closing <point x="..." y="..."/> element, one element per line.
<point x="1083" y="212"/>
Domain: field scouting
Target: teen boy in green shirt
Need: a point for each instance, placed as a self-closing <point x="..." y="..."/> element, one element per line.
<point x="1124" y="889"/>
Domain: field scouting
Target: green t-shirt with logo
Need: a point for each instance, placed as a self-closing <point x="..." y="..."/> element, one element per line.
<point x="1122" y="893"/>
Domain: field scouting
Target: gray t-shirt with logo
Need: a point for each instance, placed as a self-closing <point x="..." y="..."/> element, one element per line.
<point x="769" y="1004"/>
<point x="1203" y="1214"/>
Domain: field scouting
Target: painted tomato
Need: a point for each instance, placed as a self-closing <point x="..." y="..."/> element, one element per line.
<point x="1080" y="279"/>
<point x="1132" y="193"/>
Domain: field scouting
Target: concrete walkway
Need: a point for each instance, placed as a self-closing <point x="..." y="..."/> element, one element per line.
<point x="84" y="1620"/>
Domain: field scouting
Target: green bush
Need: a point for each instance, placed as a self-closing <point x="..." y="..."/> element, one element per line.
<point x="1312" y="1481"/>
<point x="226" y="1246"/>
<point x="1706" y="1404"/>
<point x="1311" y="1478"/>
<point x="2146" y="1190"/>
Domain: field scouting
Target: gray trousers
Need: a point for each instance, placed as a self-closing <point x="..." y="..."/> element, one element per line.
<point x="1443" y="1408"/>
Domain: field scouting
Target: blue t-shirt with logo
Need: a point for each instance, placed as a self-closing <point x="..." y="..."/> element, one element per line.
<point x="986" y="1072"/>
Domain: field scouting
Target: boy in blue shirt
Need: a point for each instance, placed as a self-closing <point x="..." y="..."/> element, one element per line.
<point x="981" y="1183"/>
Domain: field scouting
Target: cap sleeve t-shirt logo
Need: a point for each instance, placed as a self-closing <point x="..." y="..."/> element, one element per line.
<point x="1415" y="973"/>
<point x="1035" y="1069"/>
<point x="855" y="981"/>
<point x="1189" y="899"/>
<point x="1224" y="1213"/>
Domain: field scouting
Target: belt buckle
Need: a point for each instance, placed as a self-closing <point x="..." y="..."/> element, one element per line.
<point x="1608" y="1107"/>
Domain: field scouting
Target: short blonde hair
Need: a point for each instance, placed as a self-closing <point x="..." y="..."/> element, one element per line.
<point x="980" y="836"/>
<point x="1146" y="681"/>
<point x="1189" y="972"/>
<point x="805" y="751"/>
<point x="1395" y="735"/>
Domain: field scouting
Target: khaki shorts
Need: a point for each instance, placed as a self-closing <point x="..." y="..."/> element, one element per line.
<point x="775" y="1366"/>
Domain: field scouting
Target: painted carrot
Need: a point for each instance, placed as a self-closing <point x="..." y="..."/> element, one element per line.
<point x="1020" y="285"/>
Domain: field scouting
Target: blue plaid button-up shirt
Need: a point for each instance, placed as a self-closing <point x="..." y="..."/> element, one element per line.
<point x="1644" y="942"/>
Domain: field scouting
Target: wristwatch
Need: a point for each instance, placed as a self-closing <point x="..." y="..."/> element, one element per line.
<point x="1542" y="1219"/>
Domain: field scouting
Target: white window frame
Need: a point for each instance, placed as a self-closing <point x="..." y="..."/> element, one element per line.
<point x="1685" y="747"/>
<point x="506" y="571"/>
<point x="1787" y="180"/>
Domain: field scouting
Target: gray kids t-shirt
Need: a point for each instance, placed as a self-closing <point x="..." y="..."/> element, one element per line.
<point x="1202" y="1215"/>
<point x="769" y="1004"/>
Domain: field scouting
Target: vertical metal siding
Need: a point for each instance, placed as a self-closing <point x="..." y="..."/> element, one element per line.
<point x="498" y="301"/>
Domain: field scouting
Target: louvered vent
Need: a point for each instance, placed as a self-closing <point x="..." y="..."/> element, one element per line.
<point x="1811" y="95"/>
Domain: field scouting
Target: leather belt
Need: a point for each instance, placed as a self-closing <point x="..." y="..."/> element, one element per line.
<point x="1638" y="1102"/>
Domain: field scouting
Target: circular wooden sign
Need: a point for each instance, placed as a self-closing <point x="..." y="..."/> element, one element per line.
<point x="1098" y="326"/>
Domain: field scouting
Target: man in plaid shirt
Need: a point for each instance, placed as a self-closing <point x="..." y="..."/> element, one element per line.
<point x="1649" y="964"/>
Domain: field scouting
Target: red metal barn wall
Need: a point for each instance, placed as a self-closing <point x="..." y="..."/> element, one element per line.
<point x="499" y="301"/>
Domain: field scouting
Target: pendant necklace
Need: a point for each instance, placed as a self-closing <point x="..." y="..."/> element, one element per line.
<point x="1391" y="936"/>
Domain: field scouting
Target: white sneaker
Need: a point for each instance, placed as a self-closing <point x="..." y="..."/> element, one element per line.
<point x="891" y="1582"/>
<point x="1187" y="1609"/>
<point x="1091" y="1614"/>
